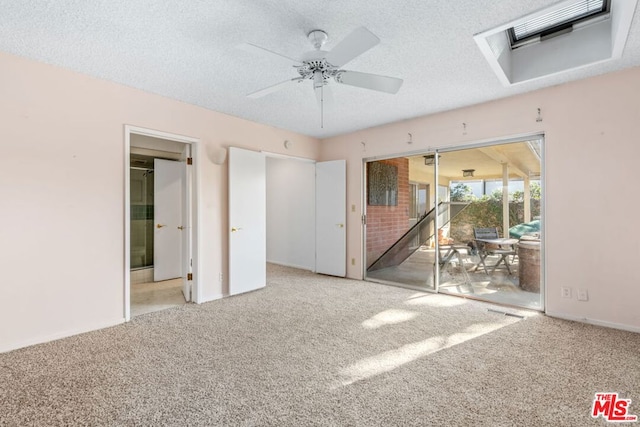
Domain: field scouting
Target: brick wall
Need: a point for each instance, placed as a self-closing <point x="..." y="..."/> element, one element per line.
<point x="385" y="224"/>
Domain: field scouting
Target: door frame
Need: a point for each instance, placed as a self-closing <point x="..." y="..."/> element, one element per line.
<point x="194" y="213"/>
<point x="269" y="154"/>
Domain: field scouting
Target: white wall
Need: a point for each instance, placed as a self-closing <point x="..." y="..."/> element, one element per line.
<point x="591" y="155"/>
<point x="291" y="212"/>
<point x="62" y="194"/>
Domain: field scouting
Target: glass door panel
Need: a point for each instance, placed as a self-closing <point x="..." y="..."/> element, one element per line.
<point x="491" y="250"/>
<point x="399" y="222"/>
<point x="142" y="231"/>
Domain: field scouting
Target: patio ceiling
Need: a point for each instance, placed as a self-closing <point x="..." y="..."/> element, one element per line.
<point x="487" y="162"/>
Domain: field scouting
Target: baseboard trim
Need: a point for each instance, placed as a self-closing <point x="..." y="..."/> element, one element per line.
<point x="595" y="322"/>
<point x="59" y="335"/>
<point x="299" y="267"/>
<point x="212" y="298"/>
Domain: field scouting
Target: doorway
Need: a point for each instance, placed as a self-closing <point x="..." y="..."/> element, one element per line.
<point x="283" y="205"/>
<point x="160" y="221"/>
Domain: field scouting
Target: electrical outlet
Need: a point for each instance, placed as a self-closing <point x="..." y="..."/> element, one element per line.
<point x="565" y="292"/>
<point x="353" y="208"/>
<point x="583" y="295"/>
<point x="220" y="277"/>
<point x="353" y="261"/>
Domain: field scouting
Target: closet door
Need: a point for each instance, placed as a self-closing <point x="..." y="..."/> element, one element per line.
<point x="247" y="221"/>
<point x="331" y="200"/>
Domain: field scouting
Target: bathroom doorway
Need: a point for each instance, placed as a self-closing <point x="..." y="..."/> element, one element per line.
<point x="160" y="222"/>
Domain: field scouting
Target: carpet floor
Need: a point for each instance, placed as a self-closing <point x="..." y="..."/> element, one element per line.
<point x="316" y="350"/>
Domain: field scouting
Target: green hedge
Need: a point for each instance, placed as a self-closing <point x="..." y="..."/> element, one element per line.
<point x="488" y="213"/>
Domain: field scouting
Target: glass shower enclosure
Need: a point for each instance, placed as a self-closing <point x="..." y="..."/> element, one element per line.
<point x="141" y="217"/>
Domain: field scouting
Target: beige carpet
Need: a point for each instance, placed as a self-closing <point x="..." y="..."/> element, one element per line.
<point x="314" y="350"/>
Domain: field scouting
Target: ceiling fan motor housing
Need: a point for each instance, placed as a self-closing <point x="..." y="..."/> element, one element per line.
<point x="308" y="69"/>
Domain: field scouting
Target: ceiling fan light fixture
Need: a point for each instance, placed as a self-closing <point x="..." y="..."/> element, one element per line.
<point x="468" y="172"/>
<point x="318" y="79"/>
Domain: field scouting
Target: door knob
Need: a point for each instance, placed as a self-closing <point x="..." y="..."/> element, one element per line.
<point x="161" y="225"/>
<point x="340" y="225"/>
<point x="180" y="227"/>
<point x="234" y="229"/>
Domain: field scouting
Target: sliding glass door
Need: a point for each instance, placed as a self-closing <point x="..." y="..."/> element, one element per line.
<point x="485" y="203"/>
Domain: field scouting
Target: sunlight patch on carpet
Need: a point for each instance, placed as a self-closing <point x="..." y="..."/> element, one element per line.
<point x="393" y="359"/>
<point x="389" y="317"/>
<point x="435" y="300"/>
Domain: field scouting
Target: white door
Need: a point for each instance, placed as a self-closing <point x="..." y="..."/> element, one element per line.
<point x="247" y="221"/>
<point x="331" y="199"/>
<point x="167" y="238"/>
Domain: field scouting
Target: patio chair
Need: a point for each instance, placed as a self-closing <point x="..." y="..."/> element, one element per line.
<point x="488" y="242"/>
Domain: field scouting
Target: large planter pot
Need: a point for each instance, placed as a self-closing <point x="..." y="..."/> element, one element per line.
<point x="529" y="264"/>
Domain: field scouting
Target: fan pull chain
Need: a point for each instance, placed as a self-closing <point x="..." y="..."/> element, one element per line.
<point x="322" y="106"/>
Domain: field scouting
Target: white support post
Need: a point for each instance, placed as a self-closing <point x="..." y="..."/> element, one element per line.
<point x="505" y="200"/>
<point x="527" y="199"/>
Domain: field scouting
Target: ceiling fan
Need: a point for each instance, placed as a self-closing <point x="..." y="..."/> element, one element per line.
<point x="321" y="66"/>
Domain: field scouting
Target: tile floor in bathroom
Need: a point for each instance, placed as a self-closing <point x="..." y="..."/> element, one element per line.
<point x="155" y="296"/>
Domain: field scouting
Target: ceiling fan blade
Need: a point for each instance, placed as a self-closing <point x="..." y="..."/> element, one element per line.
<point x="369" y="81"/>
<point x="274" y="88"/>
<point x="267" y="54"/>
<point x="354" y="45"/>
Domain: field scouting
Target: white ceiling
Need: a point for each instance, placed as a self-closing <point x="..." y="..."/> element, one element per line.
<point x="187" y="50"/>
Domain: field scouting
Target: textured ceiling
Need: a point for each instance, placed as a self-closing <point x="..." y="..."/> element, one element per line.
<point x="187" y="50"/>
